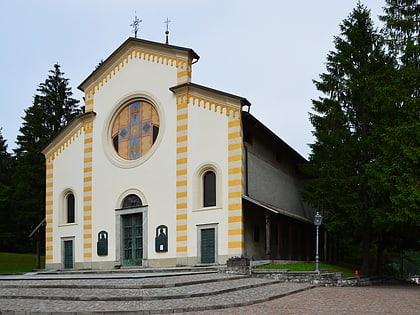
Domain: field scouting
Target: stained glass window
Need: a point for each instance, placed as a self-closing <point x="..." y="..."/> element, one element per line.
<point x="135" y="129"/>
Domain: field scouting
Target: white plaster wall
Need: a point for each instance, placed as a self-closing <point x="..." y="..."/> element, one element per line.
<point x="207" y="144"/>
<point x="68" y="174"/>
<point x="154" y="177"/>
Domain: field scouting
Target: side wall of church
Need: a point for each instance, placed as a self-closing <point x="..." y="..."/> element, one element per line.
<point x="272" y="181"/>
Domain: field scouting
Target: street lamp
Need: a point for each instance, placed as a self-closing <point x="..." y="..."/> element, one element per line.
<point x="317" y="222"/>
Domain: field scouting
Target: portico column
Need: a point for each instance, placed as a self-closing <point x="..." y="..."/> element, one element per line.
<point x="267" y="236"/>
<point x="279" y="241"/>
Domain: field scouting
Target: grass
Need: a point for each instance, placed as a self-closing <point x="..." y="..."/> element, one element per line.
<point x="347" y="272"/>
<point x="17" y="263"/>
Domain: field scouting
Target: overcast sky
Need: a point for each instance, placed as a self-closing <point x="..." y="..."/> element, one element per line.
<point x="267" y="51"/>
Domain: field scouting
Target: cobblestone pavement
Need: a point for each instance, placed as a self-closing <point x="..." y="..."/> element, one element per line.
<point x="200" y="293"/>
<point x="368" y="300"/>
<point x="163" y="294"/>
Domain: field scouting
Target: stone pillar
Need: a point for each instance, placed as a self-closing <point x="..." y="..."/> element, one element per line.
<point x="267" y="236"/>
<point x="290" y="242"/>
<point x="279" y="241"/>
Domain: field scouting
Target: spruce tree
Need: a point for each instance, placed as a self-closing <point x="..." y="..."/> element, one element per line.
<point x="53" y="107"/>
<point x="6" y="228"/>
<point x="355" y="89"/>
<point x="395" y="175"/>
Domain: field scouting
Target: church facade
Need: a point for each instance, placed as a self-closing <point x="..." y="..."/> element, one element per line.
<point x="160" y="171"/>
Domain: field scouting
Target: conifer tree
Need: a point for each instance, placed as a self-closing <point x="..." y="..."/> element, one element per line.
<point x="6" y="231"/>
<point x="395" y="174"/>
<point x="355" y="89"/>
<point x="53" y="107"/>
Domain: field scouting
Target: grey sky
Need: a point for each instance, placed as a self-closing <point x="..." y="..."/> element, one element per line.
<point x="266" y="51"/>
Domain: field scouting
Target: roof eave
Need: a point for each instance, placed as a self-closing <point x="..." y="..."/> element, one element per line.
<point x="242" y="100"/>
<point x="193" y="55"/>
<point x="73" y="124"/>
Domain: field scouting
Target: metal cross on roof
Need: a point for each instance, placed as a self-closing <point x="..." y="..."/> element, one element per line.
<point x="167" y="21"/>
<point x="135" y="25"/>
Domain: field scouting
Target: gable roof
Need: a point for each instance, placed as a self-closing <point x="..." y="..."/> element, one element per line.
<point x="204" y="89"/>
<point x="65" y="135"/>
<point x="131" y="41"/>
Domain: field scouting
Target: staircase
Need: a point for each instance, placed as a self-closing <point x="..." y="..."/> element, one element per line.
<point x="136" y="293"/>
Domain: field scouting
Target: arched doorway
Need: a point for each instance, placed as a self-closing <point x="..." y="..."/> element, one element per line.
<point x="130" y="220"/>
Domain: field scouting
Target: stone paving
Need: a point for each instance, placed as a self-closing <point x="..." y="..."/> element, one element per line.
<point x="194" y="293"/>
<point x="367" y="300"/>
<point x="145" y="294"/>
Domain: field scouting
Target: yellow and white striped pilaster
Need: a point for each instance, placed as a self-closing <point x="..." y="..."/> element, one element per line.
<point x="87" y="191"/>
<point x="235" y="184"/>
<point x="184" y="72"/>
<point x="181" y="176"/>
<point x="49" y="210"/>
<point x="89" y="101"/>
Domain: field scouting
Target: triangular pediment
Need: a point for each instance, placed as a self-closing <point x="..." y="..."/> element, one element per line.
<point x="176" y="56"/>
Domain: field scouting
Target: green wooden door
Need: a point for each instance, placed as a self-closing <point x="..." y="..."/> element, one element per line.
<point x="208" y="246"/>
<point x="132" y="230"/>
<point x="68" y="254"/>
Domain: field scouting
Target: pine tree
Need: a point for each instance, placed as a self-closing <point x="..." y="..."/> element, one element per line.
<point x="6" y="231"/>
<point x="355" y="102"/>
<point x="396" y="174"/>
<point x="52" y="109"/>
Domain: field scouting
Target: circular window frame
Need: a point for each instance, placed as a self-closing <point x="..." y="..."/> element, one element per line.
<point x="107" y="140"/>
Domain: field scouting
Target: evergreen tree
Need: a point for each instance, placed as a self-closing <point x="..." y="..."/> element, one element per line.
<point x="52" y="109"/>
<point x="345" y="119"/>
<point x="6" y="230"/>
<point x="395" y="175"/>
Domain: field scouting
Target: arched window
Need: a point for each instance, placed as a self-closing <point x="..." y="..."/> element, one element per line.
<point x="209" y="189"/>
<point x="131" y="201"/>
<point x="70" y="208"/>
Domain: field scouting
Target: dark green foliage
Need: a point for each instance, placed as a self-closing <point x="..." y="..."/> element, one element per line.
<point x="396" y="173"/>
<point x="357" y="106"/>
<point x="53" y="107"/>
<point x="6" y="230"/>
<point x="364" y="166"/>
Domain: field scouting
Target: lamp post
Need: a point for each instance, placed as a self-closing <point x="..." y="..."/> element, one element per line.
<point x="317" y="222"/>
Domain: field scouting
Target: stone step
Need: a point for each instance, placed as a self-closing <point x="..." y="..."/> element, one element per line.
<point x="235" y="298"/>
<point x="184" y="293"/>
<point x="154" y="281"/>
<point x="134" y="294"/>
<point x="137" y="270"/>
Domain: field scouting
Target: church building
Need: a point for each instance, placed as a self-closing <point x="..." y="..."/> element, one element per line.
<point x="160" y="171"/>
